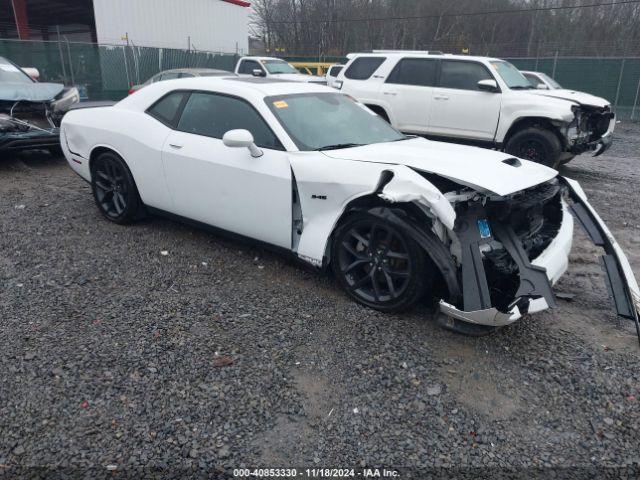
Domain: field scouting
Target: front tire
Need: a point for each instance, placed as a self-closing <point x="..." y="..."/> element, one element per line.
<point x="114" y="189"/>
<point x="537" y="145"/>
<point x="378" y="265"/>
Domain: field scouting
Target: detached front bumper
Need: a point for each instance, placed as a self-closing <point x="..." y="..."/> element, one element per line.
<point x="599" y="146"/>
<point x="554" y="260"/>
<point x="621" y="281"/>
<point x="604" y="144"/>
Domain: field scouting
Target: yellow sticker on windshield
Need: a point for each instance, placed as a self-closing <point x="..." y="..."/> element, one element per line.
<point x="281" y="104"/>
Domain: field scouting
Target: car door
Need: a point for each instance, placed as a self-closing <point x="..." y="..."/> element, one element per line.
<point x="227" y="187"/>
<point x="460" y="108"/>
<point x="408" y="90"/>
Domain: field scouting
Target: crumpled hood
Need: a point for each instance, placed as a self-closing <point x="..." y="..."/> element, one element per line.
<point x="574" y="96"/>
<point x="299" y="77"/>
<point x="29" y="92"/>
<point x="471" y="166"/>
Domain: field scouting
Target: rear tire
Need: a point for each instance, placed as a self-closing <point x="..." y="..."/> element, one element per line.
<point x="378" y="265"/>
<point x="114" y="189"/>
<point x="537" y="145"/>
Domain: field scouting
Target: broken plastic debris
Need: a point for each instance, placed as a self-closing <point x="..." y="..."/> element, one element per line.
<point x="223" y="361"/>
<point x="164" y="253"/>
<point x="356" y="411"/>
<point x="111" y="468"/>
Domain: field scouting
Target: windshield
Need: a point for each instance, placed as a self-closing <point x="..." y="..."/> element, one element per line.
<point x="324" y="121"/>
<point x="11" y="73"/>
<point x="278" y="66"/>
<point x="511" y="76"/>
<point x="550" y="81"/>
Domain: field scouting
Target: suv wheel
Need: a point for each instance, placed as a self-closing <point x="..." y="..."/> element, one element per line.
<point x="537" y="145"/>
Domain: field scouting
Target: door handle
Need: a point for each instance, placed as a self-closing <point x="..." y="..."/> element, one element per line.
<point x="177" y="147"/>
<point x="440" y="97"/>
<point x="393" y="94"/>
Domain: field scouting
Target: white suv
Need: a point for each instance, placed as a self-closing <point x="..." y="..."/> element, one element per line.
<point x="477" y="100"/>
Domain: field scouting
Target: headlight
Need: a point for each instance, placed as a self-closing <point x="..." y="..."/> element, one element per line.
<point x="68" y="97"/>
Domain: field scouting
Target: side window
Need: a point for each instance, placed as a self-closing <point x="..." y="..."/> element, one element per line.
<point x="166" y="109"/>
<point x="362" y="68"/>
<point x="334" y="71"/>
<point x="533" y="79"/>
<point x="186" y="75"/>
<point x="463" y="75"/>
<point x="248" y="66"/>
<point x="214" y="115"/>
<point x="170" y="76"/>
<point x="414" y="71"/>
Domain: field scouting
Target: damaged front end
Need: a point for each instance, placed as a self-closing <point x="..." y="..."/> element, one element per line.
<point x="591" y="130"/>
<point x="512" y="249"/>
<point x="30" y="115"/>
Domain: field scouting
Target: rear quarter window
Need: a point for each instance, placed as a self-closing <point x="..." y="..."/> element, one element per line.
<point x="362" y="68"/>
<point x="167" y="108"/>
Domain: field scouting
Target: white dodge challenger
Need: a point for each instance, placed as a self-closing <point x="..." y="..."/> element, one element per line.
<point x="301" y="167"/>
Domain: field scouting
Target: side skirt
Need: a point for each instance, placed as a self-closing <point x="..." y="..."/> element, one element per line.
<point x="288" y="254"/>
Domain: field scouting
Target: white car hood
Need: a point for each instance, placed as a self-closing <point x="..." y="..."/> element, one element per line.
<point x="298" y="77"/>
<point x="574" y="96"/>
<point x="474" y="167"/>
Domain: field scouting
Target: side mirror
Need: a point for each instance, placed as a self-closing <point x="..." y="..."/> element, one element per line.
<point x="259" y="73"/>
<point x="488" y="86"/>
<point x="542" y="86"/>
<point x="241" y="139"/>
<point x="32" y="72"/>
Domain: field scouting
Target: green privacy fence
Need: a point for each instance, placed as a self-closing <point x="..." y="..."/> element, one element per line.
<point x="105" y="72"/>
<point x="617" y="79"/>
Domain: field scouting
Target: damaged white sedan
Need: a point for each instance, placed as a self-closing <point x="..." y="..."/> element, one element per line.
<point x="310" y="170"/>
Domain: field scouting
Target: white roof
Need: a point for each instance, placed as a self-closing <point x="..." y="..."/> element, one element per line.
<point x="250" y="88"/>
<point x="417" y="53"/>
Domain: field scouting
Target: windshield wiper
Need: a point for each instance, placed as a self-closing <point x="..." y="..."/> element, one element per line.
<point x="338" y="146"/>
<point x="522" y="87"/>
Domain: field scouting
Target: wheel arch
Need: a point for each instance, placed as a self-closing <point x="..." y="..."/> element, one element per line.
<point x="400" y="215"/>
<point x="98" y="150"/>
<point x="535" y="122"/>
<point x="380" y="110"/>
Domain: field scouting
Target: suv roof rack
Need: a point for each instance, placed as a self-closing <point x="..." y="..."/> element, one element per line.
<point x="427" y="52"/>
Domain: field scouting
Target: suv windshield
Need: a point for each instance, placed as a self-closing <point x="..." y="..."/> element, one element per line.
<point x="11" y="73"/>
<point x="326" y="121"/>
<point x="511" y="76"/>
<point x="278" y="66"/>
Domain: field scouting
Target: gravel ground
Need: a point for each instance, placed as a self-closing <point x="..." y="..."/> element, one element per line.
<point x="220" y="355"/>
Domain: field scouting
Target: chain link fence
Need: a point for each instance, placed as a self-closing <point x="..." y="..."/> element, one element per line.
<point x="106" y="72"/>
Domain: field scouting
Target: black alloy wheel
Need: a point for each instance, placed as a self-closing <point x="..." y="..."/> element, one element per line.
<point x="377" y="264"/>
<point x="114" y="190"/>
